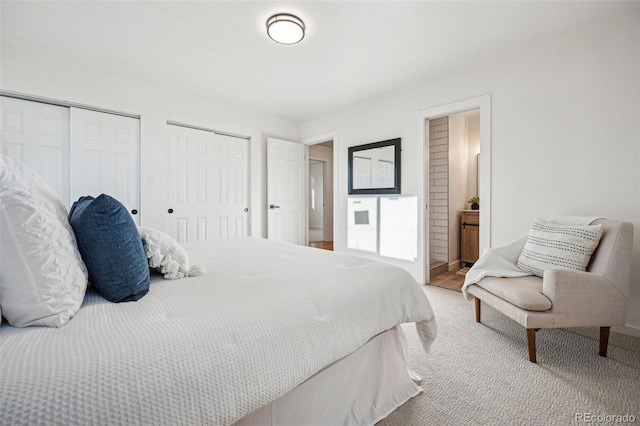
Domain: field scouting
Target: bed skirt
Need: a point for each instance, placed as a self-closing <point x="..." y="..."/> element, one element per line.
<point x="360" y="389"/>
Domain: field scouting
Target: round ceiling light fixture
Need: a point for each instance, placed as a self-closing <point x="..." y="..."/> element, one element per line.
<point x="285" y="28"/>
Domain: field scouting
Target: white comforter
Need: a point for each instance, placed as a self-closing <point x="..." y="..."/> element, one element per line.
<point x="209" y="349"/>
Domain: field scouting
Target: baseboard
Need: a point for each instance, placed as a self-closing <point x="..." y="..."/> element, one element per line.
<point x="454" y="266"/>
<point x="629" y="330"/>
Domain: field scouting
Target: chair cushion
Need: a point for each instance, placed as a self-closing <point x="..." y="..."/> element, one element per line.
<point x="524" y="292"/>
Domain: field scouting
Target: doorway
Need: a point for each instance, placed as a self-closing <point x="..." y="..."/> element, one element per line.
<point x="454" y="146"/>
<point x="454" y="173"/>
<point x="316" y="201"/>
<point x="320" y="199"/>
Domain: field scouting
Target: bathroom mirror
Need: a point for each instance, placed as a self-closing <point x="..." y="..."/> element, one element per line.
<point x="374" y="168"/>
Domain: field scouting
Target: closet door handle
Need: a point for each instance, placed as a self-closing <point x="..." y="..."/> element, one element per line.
<point x="134" y="211"/>
<point x="170" y="211"/>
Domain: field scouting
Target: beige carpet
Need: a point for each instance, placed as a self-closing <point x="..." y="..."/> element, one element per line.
<point x="479" y="374"/>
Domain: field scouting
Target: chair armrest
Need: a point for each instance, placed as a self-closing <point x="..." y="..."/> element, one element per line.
<point x="582" y="298"/>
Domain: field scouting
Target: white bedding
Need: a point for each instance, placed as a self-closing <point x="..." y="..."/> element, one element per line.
<point x="206" y="350"/>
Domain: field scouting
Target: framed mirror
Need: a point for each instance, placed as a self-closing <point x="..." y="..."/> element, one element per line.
<point x="374" y="168"/>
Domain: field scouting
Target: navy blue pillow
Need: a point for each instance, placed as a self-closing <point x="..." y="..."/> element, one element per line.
<point x="111" y="248"/>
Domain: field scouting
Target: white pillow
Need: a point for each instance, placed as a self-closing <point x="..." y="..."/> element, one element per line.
<point x="166" y="255"/>
<point x="560" y="246"/>
<point x="42" y="277"/>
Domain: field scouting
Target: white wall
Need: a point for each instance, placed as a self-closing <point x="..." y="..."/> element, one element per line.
<point x="43" y="74"/>
<point x="564" y="134"/>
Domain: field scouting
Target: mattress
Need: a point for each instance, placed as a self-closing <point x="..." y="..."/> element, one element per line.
<point x="210" y="349"/>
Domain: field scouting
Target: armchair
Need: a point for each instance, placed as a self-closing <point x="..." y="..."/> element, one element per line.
<point x="597" y="297"/>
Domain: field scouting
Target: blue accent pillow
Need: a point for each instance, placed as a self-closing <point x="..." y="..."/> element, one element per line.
<point x="111" y="247"/>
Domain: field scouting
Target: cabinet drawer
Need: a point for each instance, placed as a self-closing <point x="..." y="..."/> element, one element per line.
<point x="471" y="218"/>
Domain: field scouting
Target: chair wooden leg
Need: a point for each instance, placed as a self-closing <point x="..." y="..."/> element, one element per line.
<point x="477" y="309"/>
<point x="531" y="341"/>
<point x="604" y="340"/>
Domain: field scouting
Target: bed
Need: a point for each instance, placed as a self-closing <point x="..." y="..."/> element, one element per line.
<point x="271" y="333"/>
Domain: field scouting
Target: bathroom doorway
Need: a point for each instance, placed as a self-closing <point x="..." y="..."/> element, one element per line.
<point x="454" y="177"/>
<point x="454" y="146"/>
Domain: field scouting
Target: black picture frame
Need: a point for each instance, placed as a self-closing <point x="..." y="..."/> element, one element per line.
<point x="395" y="189"/>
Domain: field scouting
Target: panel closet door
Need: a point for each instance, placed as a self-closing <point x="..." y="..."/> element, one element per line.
<point x="208" y="185"/>
<point x="105" y="157"/>
<point x="231" y="186"/>
<point x="37" y="134"/>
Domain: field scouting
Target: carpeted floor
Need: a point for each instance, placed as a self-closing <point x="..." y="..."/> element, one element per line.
<point x="480" y="374"/>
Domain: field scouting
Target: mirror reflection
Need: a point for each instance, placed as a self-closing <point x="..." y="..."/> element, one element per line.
<point x="373" y="168"/>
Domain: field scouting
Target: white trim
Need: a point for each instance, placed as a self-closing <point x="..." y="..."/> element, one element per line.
<point x="64" y="104"/>
<point x="206" y="129"/>
<point x="483" y="102"/>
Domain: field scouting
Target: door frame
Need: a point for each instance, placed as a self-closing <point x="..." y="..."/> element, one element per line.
<point x="483" y="103"/>
<point x="314" y="140"/>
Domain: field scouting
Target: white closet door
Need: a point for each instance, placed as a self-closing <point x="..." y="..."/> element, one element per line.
<point x="105" y="157"/>
<point x="208" y="185"/>
<point x="38" y="135"/>
<point x="231" y="186"/>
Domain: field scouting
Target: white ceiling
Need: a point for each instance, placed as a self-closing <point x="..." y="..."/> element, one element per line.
<point x="353" y="51"/>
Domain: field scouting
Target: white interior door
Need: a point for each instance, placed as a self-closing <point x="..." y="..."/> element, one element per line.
<point x="208" y="185"/>
<point x="286" y="185"/>
<point x="37" y="134"/>
<point x="105" y="157"/>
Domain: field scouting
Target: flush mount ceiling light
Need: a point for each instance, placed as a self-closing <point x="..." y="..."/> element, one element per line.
<point x="285" y="28"/>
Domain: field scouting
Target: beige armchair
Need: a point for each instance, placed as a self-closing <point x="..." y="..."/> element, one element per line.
<point x="566" y="298"/>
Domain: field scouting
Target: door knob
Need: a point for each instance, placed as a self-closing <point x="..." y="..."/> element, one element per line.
<point x="273" y="206"/>
<point x="134" y="211"/>
<point x="246" y="209"/>
<point x="170" y="211"/>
